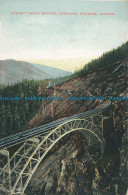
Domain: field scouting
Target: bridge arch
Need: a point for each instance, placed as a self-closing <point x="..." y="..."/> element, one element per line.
<point x="27" y="158"/>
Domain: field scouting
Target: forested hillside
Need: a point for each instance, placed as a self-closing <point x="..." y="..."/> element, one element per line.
<point x="14" y="114"/>
<point x="80" y="175"/>
<point x="106" y="59"/>
<point x="108" y="176"/>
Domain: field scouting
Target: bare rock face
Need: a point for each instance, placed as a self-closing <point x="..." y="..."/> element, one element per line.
<point x="67" y="169"/>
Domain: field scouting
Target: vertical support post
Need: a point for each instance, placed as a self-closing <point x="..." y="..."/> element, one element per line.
<point x="53" y="136"/>
<point x="46" y="143"/>
<point x="6" y="169"/>
<point x="9" y="173"/>
<point x="60" y="131"/>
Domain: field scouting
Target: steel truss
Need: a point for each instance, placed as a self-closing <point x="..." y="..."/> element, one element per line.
<point x="18" y="170"/>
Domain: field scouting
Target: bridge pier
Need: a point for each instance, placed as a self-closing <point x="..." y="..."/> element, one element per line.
<point x="7" y="172"/>
<point x="98" y="120"/>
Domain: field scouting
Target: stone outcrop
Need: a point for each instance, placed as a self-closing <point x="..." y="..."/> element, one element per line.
<point x="67" y="170"/>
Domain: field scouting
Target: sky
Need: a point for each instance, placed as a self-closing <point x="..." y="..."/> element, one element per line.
<point x="63" y="41"/>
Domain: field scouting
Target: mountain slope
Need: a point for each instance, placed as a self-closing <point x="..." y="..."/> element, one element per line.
<point x="55" y="72"/>
<point x="12" y="71"/>
<point x="60" y="173"/>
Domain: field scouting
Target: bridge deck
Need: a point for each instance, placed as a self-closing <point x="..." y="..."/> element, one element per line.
<point x="43" y="129"/>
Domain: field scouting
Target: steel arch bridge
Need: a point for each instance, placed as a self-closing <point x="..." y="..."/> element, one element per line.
<point x="18" y="170"/>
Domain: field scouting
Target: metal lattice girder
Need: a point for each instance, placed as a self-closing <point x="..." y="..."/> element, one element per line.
<point x="5" y="172"/>
<point x="26" y="159"/>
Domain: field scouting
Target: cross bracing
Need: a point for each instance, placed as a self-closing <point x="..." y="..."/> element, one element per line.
<point x="18" y="170"/>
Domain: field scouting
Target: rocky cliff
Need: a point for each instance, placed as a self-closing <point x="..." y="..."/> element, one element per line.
<point x="67" y="169"/>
